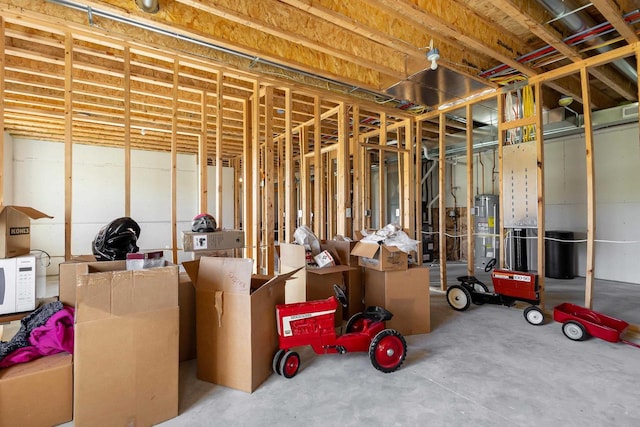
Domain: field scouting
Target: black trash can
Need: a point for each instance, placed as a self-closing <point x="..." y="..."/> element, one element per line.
<point x="559" y="255"/>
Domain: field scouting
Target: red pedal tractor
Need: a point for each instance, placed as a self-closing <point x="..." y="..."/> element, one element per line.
<point x="312" y="323"/>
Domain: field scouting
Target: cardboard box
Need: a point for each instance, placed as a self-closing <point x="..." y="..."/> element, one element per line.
<point x="126" y="347"/>
<point x="69" y="272"/>
<point x="236" y="329"/>
<point x="38" y="393"/>
<point x="320" y="283"/>
<point x="405" y="294"/>
<point x="227" y="239"/>
<point x="187" y="303"/>
<point x="352" y="278"/>
<point x="292" y="257"/>
<point x="15" y="229"/>
<point x="380" y="257"/>
<point x="17" y="284"/>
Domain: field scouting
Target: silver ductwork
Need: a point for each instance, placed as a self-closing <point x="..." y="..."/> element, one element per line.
<point x="577" y="21"/>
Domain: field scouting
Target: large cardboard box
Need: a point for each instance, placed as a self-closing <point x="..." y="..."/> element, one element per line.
<point x="126" y="347"/>
<point x="15" y="229"/>
<point x="69" y="272"/>
<point x="352" y="278"/>
<point x="316" y="283"/>
<point x="405" y="294"/>
<point x="187" y="303"/>
<point x="236" y="329"/>
<point x="320" y="283"/>
<point x="380" y="257"/>
<point x="38" y="393"/>
<point x="225" y="239"/>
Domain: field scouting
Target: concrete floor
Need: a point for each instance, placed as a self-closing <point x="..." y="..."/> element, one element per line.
<point x="483" y="367"/>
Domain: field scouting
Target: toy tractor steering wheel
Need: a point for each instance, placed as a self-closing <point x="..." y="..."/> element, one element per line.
<point x="490" y="265"/>
<point x="342" y="297"/>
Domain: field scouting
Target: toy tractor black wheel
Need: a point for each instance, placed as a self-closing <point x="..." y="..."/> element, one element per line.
<point x="356" y="323"/>
<point x="480" y="288"/>
<point x="289" y="364"/>
<point x="387" y="350"/>
<point x="458" y="297"/>
<point x="276" y="361"/>
<point x="574" y="330"/>
<point x="534" y="315"/>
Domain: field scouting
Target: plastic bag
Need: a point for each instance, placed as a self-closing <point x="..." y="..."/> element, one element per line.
<point x="304" y="236"/>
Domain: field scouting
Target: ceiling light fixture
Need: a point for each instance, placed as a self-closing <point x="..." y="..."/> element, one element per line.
<point x="565" y="100"/>
<point x="433" y="55"/>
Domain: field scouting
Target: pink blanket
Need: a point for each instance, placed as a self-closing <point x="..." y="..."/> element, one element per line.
<point x="55" y="336"/>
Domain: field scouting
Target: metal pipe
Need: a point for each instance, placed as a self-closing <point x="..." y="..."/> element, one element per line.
<point x="130" y="21"/>
<point x="579" y="21"/>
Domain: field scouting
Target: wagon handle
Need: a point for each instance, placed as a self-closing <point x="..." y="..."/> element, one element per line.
<point x="630" y="343"/>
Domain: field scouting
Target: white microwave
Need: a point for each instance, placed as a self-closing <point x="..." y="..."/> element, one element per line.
<point x="17" y="284"/>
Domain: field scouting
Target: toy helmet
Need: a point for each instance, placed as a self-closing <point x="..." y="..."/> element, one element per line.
<point x="116" y="239"/>
<point x="204" y="223"/>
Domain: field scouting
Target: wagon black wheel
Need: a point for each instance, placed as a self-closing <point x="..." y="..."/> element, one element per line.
<point x="356" y="323"/>
<point x="574" y="330"/>
<point x="290" y="364"/>
<point x="276" y="361"/>
<point x="387" y="350"/>
<point x="458" y="298"/>
<point x="534" y="315"/>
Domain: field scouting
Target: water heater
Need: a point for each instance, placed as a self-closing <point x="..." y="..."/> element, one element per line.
<point x="486" y="229"/>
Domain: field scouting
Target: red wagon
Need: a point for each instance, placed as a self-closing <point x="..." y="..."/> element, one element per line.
<point x="579" y="322"/>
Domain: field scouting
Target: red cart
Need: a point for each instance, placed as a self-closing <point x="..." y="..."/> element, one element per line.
<point x="579" y="322"/>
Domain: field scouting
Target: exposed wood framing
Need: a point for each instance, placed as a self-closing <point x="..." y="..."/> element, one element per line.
<point x="2" y="87"/>
<point x="68" y="143"/>
<point x="218" y="162"/>
<point x="541" y="189"/>
<point x="174" y="164"/>
<point x="442" y="218"/>
<point x="591" y="195"/>
<point x="470" y="196"/>
<point x="269" y="184"/>
<point x="127" y="131"/>
<point x="203" y="200"/>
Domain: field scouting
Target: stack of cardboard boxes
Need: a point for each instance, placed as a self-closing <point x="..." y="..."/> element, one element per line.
<point x="37" y="393"/>
<point x="391" y="283"/>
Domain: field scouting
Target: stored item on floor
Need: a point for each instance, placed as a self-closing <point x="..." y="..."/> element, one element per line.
<point x="126" y="347"/>
<point x="235" y="323"/>
<point x="116" y="239"/>
<point x="578" y="323"/>
<point x="38" y="393"/>
<point x="214" y="241"/>
<point x="509" y="287"/>
<point x="204" y="223"/>
<point x="312" y="323"/>
<point x="15" y="229"/>
<point x="559" y="254"/>
<point x="17" y="284"/>
<point x="405" y="293"/>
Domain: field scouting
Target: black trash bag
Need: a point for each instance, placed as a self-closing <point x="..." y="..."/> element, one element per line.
<point x="116" y="239"/>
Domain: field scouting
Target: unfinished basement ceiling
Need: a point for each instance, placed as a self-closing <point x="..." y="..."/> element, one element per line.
<point x="371" y="50"/>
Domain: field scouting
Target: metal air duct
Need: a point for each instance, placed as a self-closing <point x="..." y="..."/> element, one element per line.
<point x="148" y="6"/>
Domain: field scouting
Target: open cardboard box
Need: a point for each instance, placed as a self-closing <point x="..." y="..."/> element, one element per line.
<point x="404" y="293"/>
<point x="15" y="229"/>
<point x="236" y="331"/>
<point x="37" y="393"/>
<point x="126" y="347"/>
<point x="380" y="257"/>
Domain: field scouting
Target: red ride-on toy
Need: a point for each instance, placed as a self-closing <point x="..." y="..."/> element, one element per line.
<point x="312" y="323"/>
<point x="509" y="287"/>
